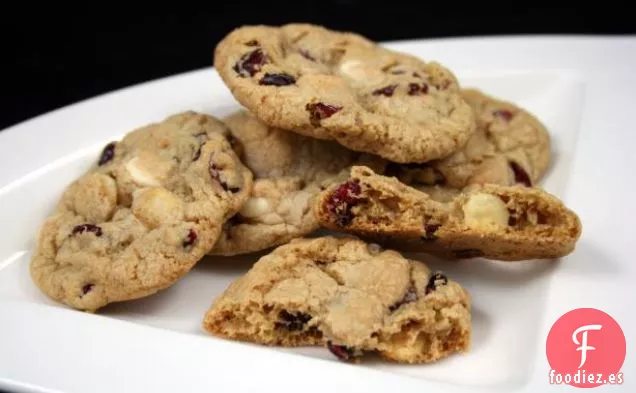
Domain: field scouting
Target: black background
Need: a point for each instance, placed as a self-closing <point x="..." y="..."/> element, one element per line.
<point x="51" y="59"/>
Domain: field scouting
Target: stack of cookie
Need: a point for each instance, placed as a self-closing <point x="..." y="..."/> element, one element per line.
<point x="382" y="148"/>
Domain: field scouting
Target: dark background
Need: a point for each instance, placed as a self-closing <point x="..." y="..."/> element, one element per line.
<point x="52" y="59"/>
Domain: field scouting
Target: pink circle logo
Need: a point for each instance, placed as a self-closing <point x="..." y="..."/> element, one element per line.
<point x="586" y="348"/>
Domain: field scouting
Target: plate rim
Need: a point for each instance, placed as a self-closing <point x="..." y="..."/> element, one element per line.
<point x="371" y="380"/>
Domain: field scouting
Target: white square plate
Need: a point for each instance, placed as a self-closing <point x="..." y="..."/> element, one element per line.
<point x="583" y="89"/>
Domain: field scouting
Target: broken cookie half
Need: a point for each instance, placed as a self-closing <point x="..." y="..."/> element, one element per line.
<point x="508" y="223"/>
<point x="350" y="296"/>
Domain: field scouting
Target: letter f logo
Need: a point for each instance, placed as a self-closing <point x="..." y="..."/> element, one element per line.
<point x="584" y="347"/>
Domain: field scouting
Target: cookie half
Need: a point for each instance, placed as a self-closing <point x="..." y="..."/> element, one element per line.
<point x="496" y="222"/>
<point x="350" y="296"/>
<point x="341" y="86"/>
<point x="290" y="170"/>
<point x="148" y="210"/>
<point x="510" y="146"/>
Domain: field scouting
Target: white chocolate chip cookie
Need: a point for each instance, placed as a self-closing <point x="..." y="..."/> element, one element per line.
<point x="508" y="223"/>
<point x="510" y="146"/>
<point x="143" y="216"/>
<point x="290" y="170"/>
<point x="349" y="296"/>
<point x="341" y="86"/>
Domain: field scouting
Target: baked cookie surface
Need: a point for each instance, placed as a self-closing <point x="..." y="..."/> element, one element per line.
<point x="346" y="294"/>
<point x="510" y="146"/>
<point x="289" y="170"/>
<point x="143" y="215"/>
<point x="341" y="86"/>
<point x="496" y="222"/>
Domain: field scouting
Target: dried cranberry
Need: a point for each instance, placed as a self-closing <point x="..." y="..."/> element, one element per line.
<point x="87" y="228"/>
<point x="292" y="322"/>
<point x="304" y="53"/>
<point x="107" y="154"/>
<point x="252" y="43"/>
<point x="436" y="280"/>
<point x="342" y="352"/>
<point x="190" y="238"/>
<point x="409" y="297"/>
<point x="319" y="111"/>
<point x="521" y="176"/>
<point x="430" y="230"/>
<point x="417" y="89"/>
<point x="87" y="288"/>
<point x="277" y="80"/>
<point x="414" y="89"/>
<point x="385" y="91"/>
<point x="468" y="253"/>
<point x="503" y="114"/>
<point x="251" y="63"/>
<point x="345" y="197"/>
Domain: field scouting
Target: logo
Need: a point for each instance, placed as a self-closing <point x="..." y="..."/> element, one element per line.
<point x="586" y="348"/>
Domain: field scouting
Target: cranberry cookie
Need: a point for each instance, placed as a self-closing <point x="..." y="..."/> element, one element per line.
<point x="510" y="146"/>
<point x="351" y="297"/>
<point x="290" y="170"/>
<point x="497" y="222"/>
<point x="341" y="86"/>
<point x="148" y="210"/>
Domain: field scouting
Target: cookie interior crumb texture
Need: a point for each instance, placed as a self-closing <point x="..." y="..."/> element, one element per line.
<point x="349" y="296"/>
<point x="496" y="222"/>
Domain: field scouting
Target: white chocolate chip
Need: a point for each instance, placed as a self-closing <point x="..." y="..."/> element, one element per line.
<point x="350" y="69"/>
<point x="139" y="174"/>
<point x="485" y="211"/>
<point x="156" y="206"/>
<point x="255" y="207"/>
<point x="357" y="71"/>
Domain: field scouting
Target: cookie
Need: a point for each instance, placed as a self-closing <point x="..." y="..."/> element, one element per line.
<point x="341" y="86"/>
<point x="508" y="223"/>
<point x="142" y="216"/>
<point x="510" y="146"/>
<point x="290" y="170"/>
<point x="350" y="296"/>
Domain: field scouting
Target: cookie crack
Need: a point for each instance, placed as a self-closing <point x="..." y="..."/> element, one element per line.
<point x="325" y="269"/>
<point x="410" y="295"/>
